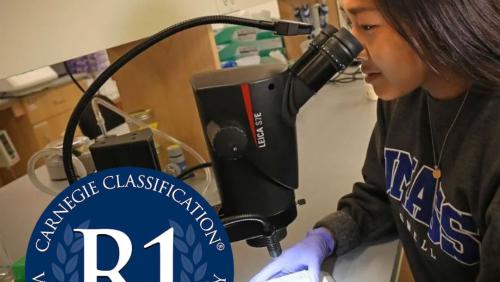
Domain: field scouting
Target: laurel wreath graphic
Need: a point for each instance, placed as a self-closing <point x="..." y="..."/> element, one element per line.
<point x="193" y="266"/>
<point x="68" y="253"/>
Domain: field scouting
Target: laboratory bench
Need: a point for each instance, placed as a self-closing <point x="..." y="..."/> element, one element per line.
<point x="333" y="130"/>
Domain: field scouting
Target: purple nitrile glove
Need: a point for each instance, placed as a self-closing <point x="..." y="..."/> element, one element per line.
<point x="307" y="254"/>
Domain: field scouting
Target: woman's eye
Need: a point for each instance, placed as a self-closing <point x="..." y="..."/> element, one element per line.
<point x="368" y="27"/>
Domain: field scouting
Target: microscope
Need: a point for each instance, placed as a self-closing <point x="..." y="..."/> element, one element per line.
<point x="248" y="117"/>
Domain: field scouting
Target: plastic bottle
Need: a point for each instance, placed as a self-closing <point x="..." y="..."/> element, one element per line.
<point x="176" y="157"/>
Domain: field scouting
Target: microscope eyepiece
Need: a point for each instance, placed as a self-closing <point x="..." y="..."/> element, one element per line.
<point x="330" y="52"/>
<point x="314" y="47"/>
<point x="323" y="36"/>
<point x="349" y="41"/>
<point x="342" y="48"/>
<point x="334" y="55"/>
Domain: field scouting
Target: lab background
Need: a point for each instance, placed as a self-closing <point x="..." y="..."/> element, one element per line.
<point x="37" y="97"/>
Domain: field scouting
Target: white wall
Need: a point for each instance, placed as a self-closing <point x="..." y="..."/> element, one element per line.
<point x="39" y="33"/>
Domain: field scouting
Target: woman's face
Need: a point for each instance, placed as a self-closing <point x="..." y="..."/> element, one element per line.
<point x="389" y="62"/>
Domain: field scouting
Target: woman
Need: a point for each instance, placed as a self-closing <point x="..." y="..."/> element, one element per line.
<point x="432" y="170"/>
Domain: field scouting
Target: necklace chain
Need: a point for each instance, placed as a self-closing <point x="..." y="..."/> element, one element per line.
<point x="437" y="171"/>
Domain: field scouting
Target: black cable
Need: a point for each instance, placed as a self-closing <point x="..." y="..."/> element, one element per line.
<point x="358" y="71"/>
<point x="281" y="28"/>
<point x="187" y="172"/>
<point x="346" y="80"/>
<point x="231" y="220"/>
<point x="72" y="77"/>
<point x="348" y="77"/>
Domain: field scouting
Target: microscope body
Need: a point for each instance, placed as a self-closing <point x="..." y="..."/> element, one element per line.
<point x="248" y="118"/>
<point x="253" y="147"/>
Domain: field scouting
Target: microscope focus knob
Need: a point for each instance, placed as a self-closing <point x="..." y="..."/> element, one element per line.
<point x="229" y="142"/>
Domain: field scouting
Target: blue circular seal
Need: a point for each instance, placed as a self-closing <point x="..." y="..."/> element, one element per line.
<point x="129" y="224"/>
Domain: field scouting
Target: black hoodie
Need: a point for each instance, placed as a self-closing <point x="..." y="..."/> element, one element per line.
<point x="450" y="230"/>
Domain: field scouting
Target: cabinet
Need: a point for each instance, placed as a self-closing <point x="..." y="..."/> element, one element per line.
<point x="159" y="79"/>
<point x="36" y="120"/>
<point x="48" y="112"/>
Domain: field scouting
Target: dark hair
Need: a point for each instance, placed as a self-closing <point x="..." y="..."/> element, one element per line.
<point x="463" y="35"/>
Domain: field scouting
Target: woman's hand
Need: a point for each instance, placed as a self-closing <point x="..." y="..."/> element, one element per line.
<point x="307" y="254"/>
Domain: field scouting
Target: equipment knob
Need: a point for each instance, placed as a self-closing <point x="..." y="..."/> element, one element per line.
<point x="229" y="142"/>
